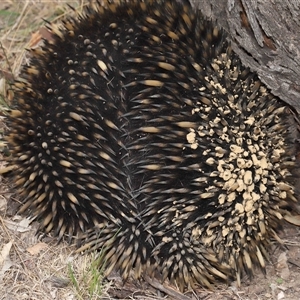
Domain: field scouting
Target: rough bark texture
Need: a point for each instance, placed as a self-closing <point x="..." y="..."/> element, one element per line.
<point x="266" y="36"/>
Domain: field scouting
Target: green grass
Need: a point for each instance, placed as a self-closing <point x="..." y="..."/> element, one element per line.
<point x="9" y="17"/>
<point x="87" y="282"/>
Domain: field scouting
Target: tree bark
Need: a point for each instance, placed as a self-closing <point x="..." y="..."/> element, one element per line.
<point x="266" y="36"/>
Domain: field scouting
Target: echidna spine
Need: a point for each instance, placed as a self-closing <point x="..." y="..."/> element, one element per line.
<point x="137" y="128"/>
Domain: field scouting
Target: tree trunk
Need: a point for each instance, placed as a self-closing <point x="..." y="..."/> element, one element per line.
<point x="266" y="36"/>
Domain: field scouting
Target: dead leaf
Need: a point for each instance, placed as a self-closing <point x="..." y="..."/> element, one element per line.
<point x="22" y="226"/>
<point x="35" y="39"/>
<point x="282" y="261"/>
<point x="46" y="34"/>
<point x="6" y="75"/>
<point x="5" y="262"/>
<point x="3" y="205"/>
<point x="280" y="296"/>
<point x="37" y="248"/>
<point x="282" y="266"/>
<point x="285" y="273"/>
<point x="53" y="293"/>
<point x="5" y="252"/>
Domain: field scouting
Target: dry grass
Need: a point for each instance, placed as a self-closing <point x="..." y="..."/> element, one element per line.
<point x="35" y="269"/>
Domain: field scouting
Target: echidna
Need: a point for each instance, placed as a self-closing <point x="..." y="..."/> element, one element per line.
<point x="138" y="128"/>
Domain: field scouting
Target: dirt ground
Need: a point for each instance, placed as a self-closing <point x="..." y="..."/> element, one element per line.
<point x="36" y="267"/>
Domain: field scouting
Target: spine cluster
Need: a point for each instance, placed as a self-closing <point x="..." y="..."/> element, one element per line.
<point x="137" y="129"/>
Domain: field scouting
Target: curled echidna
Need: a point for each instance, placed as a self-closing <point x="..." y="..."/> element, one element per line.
<point x="138" y="128"/>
